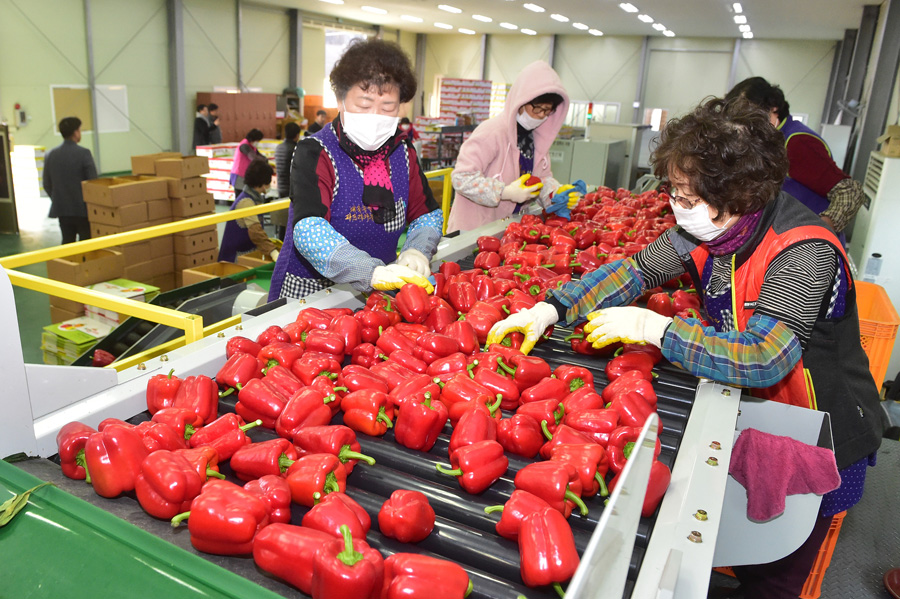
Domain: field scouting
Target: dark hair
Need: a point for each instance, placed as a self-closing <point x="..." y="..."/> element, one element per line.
<point x="200" y="107"/>
<point x="405" y="121"/>
<point x="259" y="172"/>
<point x="549" y="98"/>
<point x="291" y="130"/>
<point x="68" y="126"/>
<point x="763" y="94"/>
<point x="321" y="113"/>
<point x="254" y="135"/>
<point x="733" y="157"/>
<point x="213" y="107"/>
<point x="374" y="63"/>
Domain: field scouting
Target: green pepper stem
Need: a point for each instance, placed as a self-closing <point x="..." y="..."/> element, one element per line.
<point x="469" y="588"/>
<point x="380" y="330"/>
<point x="551" y="265"/>
<point x="574" y="336"/>
<point x="437" y="381"/>
<point x="503" y="365"/>
<point x="444" y="470"/>
<point x="559" y="590"/>
<point x="178" y="519"/>
<point x="346" y="454"/>
<point x="618" y="352"/>
<point x="342" y="389"/>
<point x="226" y="393"/>
<point x="81" y="461"/>
<point x="168" y="376"/>
<point x="496" y="405"/>
<point x="284" y="463"/>
<point x="604" y="491"/>
<point x="189" y="431"/>
<point x="349" y="556"/>
<point x="627" y="449"/>
<point x="383" y="418"/>
<point x="493" y="508"/>
<point x="546" y="430"/>
<point x="331" y="484"/>
<point x="522" y="275"/>
<point x="214" y="473"/>
<point x="250" y="425"/>
<point x="575" y="384"/>
<point x="570" y="496"/>
<point x="505" y="309"/>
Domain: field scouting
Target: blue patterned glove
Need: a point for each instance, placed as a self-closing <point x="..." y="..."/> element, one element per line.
<point x="566" y="197"/>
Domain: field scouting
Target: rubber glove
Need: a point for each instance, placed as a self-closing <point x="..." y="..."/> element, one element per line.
<point x="531" y="322"/>
<point x="627" y="324"/>
<point x="415" y="260"/>
<point x="394" y="276"/>
<point x="274" y="255"/>
<point x="517" y="191"/>
<point x="566" y="197"/>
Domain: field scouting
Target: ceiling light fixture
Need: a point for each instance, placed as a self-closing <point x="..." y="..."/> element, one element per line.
<point x="410" y="18"/>
<point x="482" y="18"/>
<point x="560" y="18"/>
<point x="748" y="35"/>
<point x="659" y="26"/>
<point x="533" y="7"/>
<point x="668" y="33"/>
<point x="744" y="28"/>
<point x="740" y="19"/>
<point x="628" y="7"/>
<point x="466" y="31"/>
<point x="738" y="9"/>
<point x="581" y="26"/>
<point x="443" y="26"/>
<point x="332" y="1"/>
<point x="509" y="26"/>
<point x="448" y="8"/>
<point x="645" y="18"/>
<point x="374" y="10"/>
<point x="529" y="31"/>
<point x="596" y="32"/>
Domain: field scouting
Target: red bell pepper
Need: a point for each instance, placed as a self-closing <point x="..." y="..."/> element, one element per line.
<point x="283" y="379"/>
<point x="281" y="353"/>
<point x="325" y="341"/>
<point x="259" y="400"/>
<point x="256" y="460"/>
<point x="415" y="388"/>
<point x="596" y="424"/>
<point x="554" y="482"/>
<point x="575" y="377"/>
<point x="366" y="355"/>
<point x="408" y="575"/>
<point x="272" y="334"/>
<point x="70" y="441"/>
<point x="660" y="477"/>
<point x="200" y="394"/>
<point x="287" y="552"/>
<point x="308" y="407"/>
<point x="409" y="362"/>
<point x="368" y="411"/>
<point x="156" y="436"/>
<point x="661" y="303"/>
<point x="314" y="318"/>
<point x="527" y="371"/>
<point x="167" y="484"/>
<point x="462" y="389"/>
<point x="224" y="519"/>
<point x="645" y="348"/>
<point x="632" y="409"/>
<point x="580" y="346"/>
<point x="448" y="269"/>
<point x="487" y="260"/>
<point x="453" y="363"/>
<point x="204" y="460"/>
<point x="349" y="329"/>
<point x="499" y="385"/>
<point x="370" y="321"/>
<point x="438" y="344"/>
<point x="476" y="424"/>
<point x="226" y="435"/>
<point x="684" y="300"/>
<point x="347" y="569"/>
<point x="564" y="435"/>
<point x="584" y="398"/>
<point x="161" y="391"/>
<point x="547" y="550"/>
<point x="336" y="510"/>
<point x="549" y="411"/>
<point x="315" y="475"/>
<point x="392" y="373"/>
<point x="355" y="378"/>
<point x="406" y="516"/>
<point x="631" y="381"/>
<point x="276" y="494"/>
<point x="311" y="366"/>
<point x="113" y="457"/>
<point x="520" y="435"/>
<point x="519" y="505"/>
<point x="239" y="370"/>
<point x="514" y="340"/>
<point x="477" y="466"/>
<point x="590" y="461"/>
<point x="412" y="302"/>
<point x="621" y="444"/>
<point x="419" y="423"/>
<point x="482" y="316"/>
<point x="461" y="295"/>
<point x="630" y="361"/>
<point x="440" y="314"/>
<point x="241" y="345"/>
<point x="392" y="339"/>
<point x="182" y="420"/>
<point x="338" y="440"/>
<point x="411" y="330"/>
<point x="488" y="243"/>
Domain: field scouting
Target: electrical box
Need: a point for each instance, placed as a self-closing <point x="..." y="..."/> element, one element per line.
<point x="596" y="162"/>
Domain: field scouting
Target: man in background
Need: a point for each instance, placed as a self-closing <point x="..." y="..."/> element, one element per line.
<point x="321" y="119"/>
<point x="215" y="133"/>
<point x="65" y="167"/>
<point x="202" y="126"/>
<point x="283" y="155"/>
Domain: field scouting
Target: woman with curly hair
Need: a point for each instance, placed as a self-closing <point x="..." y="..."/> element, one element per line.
<point x="356" y="185"/>
<point x="775" y="283"/>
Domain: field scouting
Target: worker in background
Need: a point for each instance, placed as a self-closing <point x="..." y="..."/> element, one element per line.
<point x="215" y="132"/>
<point x="283" y="154"/>
<point x="319" y="123"/>
<point x="356" y="185"/>
<point x="65" y="167"/>
<point x="503" y="152"/>
<point x="202" y="126"/>
<point x="406" y="127"/>
<point x="813" y="177"/>
<point x="245" y="153"/>
<point x="247" y="234"/>
<point x="776" y="286"/>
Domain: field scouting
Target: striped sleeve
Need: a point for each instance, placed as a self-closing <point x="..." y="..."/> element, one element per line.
<point x="614" y="284"/>
<point x="659" y="262"/>
<point x="760" y="356"/>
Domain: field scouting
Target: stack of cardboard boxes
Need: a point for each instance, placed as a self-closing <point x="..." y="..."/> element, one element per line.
<point x="82" y="270"/>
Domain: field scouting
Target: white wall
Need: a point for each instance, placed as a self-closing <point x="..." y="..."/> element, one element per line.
<point x="600" y="69"/>
<point x="449" y="55"/>
<point x="509" y="54"/>
<point x="265" y="41"/>
<point x="313" y="57"/>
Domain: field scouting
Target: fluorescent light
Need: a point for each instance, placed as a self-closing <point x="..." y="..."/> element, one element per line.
<point x="332" y="1"/>
<point x="509" y="26"/>
<point x="482" y="18"/>
<point x="645" y="18"/>
<point x="748" y="35"/>
<point x="596" y="32"/>
<point x="659" y="26"/>
<point x="529" y="31"/>
<point x="740" y="19"/>
<point x="466" y="31"/>
<point x="635" y="104"/>
<point x="744" y="28"/>
<point x="374" y="10"/>
<point x="560" y="18"/>
<point x="668" y="33"/>
<point x="738" y="9"/>
<point x="443" y="26"/>
<point x="628" y="7"/>
<point x="448" y="8"/>
<point x="581" y="26"/>
<point x="533" y="7"/>
<point x="410" y="18"/>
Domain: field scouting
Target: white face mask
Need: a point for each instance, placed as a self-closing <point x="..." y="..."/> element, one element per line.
<point x="528" y="121"/>
<point x="369" y="130"/>
<point x="696" y="221"/>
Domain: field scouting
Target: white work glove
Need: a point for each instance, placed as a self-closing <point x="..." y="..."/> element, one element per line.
<point x="394" y="276"/>
<point x="628" y="325"/>
<point x="518" y="193"/>
<point x="550" y="185"/>
<point x="415" y="260"/>
<point x="531" y="322"/>
<point x="274" y="255"/>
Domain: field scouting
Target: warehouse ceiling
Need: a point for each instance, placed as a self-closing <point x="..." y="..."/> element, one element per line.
<point x="767" y="19"/>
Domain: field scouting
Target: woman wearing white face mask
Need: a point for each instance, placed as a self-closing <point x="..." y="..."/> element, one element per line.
<point x="494" y="163"/>
<point x="775" y="283"/>
<point x="356" y="185"/>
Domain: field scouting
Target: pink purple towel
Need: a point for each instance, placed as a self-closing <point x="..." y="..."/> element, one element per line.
<point x="771" y="467"/>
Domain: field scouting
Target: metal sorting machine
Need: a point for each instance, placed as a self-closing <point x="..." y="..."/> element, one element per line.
<point x="623" y="555"/>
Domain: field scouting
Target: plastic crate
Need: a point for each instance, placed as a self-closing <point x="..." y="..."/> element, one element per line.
<point x="878" y="322"/>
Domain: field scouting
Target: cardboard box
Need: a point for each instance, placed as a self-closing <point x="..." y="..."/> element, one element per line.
<point x="254" y="259"/>
<point x="127" y="214"/>
<point x="890" y="141"/>
<point x="152" y="188"/>
<point x="183" y="261"/>
<point x="198" y="240"/>
<point x="159" y="209"/>
<point x="99" y="230"/>
<point x="165" y="282"/>
<point x="145" y="164"/>
<point x="66" y="305"/>
<point x="193" y="205"/>
<point x="147" y="270"/>
<point x="111" y="191"/>
<point x="183" y="188"/>
<point x="61" y="314"/>
<point x="85" y="269"/>
<point x="182" y="167"/>
<point x="134" y="252"/>
<point x="161" y="245"/>
<point x="189" y="276"/>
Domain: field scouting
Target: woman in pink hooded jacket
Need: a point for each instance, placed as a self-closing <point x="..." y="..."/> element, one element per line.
<point x="489" y="177"/>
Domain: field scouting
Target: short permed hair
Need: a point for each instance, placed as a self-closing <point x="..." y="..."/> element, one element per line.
<point x="374" y="63"/>
<point x="254" y="135"/>
<point x="763" y="94"/>
<point x="259" y="172"/>
<point x="729" y="151"/>
<point x="68" y="126"/>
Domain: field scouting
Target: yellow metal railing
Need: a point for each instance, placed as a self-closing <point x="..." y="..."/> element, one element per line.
<point x="447" y="194"/>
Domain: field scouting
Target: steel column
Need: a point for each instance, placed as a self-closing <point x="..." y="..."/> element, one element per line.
<point x="552" y="58"/>
<point x="839" y="73"/>
<point x="860" y="62"/>
<point x="642" y="81"/>
<point x="736" y="54"/>
<point x="419" y="100"/>
<point x="295" y="61"/>
<point x="238" y="8"/>
<point x="177" y="89"/>
<point x="485" y="49"/>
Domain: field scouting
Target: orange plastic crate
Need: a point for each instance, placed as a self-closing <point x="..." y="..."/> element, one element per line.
<point x="878" y="322"/>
